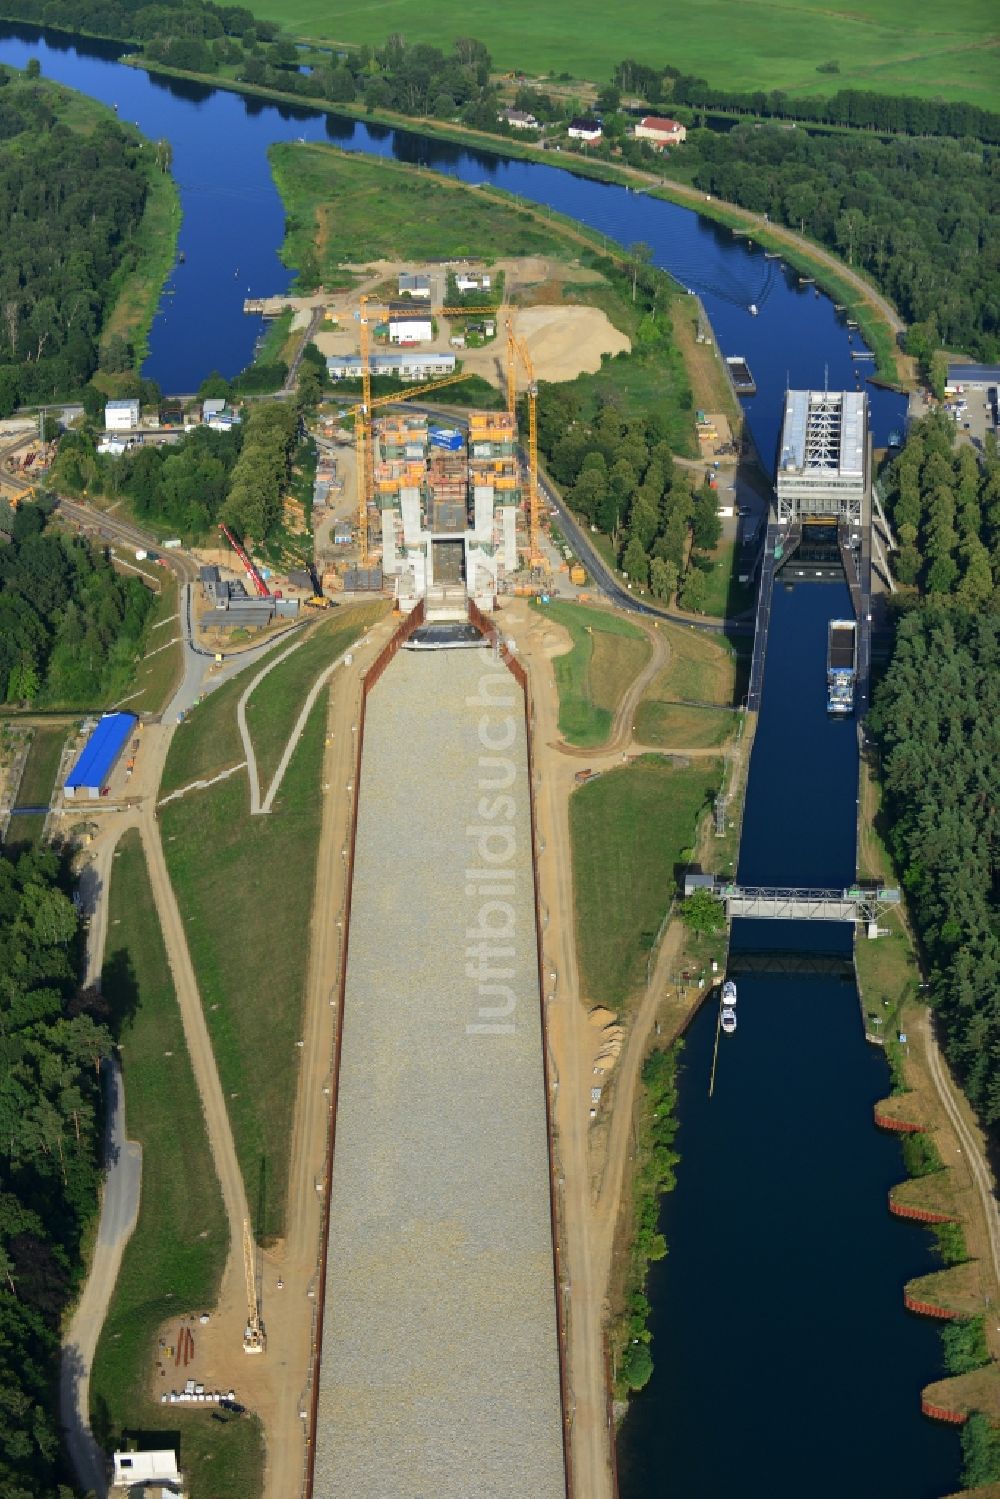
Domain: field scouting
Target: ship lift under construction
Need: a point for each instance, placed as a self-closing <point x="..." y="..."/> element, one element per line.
<point x="364" y="433"/>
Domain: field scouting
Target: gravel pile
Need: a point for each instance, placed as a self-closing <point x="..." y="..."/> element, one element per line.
<point x="440" y="1371"/>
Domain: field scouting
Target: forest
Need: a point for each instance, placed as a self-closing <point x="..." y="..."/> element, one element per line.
<point x="70" y="626"/>
<point x="52" y="1039"/>
<point x="936" y="721"/>
<point x="70" y="204"/>
<point x="944" y="504"/>
<point x="862" y="109"/>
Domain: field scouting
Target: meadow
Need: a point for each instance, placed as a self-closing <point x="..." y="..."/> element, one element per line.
<point x="888" y="45"/>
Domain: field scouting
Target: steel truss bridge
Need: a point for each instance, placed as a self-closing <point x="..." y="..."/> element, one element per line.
<point x="864" y="903"/>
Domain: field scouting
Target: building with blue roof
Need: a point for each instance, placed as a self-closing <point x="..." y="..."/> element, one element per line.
<point x="99" y="755"/>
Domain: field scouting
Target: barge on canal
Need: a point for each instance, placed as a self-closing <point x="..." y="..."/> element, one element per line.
<point x="739" y="372"/>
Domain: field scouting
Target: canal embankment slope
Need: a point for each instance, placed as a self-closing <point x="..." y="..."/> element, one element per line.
<point x="440" y="1354"/>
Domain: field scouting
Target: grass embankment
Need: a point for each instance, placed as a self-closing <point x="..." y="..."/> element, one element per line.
<point x="887" y="968"/>
<point x="687" y="703"/>
<point x="725" y="596"/>
<point x="629" y="831"/>
<point x="159" y="672"/>
<point x="607" y="654"/>
<point x="888" y="46"/>
<point x="174" y="1261"/>
<point x="274" y="706"/>
<point x="244" y="886"/>
<point x="342" y="207"/>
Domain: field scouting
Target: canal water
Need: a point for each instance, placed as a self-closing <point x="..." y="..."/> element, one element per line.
<point x="785" y="1364"/>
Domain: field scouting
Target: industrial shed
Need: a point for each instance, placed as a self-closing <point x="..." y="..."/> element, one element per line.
<point x="99" y="755"/>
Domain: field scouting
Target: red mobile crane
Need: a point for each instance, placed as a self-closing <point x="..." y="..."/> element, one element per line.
<point x="260" y="587"/>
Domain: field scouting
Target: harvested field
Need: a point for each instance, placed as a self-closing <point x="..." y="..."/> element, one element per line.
<point x="440" y="1370"/>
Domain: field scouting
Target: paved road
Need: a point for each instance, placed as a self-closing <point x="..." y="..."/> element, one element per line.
<point x="119" y="1211"/>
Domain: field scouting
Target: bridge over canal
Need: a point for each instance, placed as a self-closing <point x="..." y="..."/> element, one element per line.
<point x="864" y="903"/>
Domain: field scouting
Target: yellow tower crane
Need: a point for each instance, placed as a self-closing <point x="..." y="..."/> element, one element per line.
<point x="364" y="435"/>
<point x="517" y="350"/>
<point x="254" y="1340"/>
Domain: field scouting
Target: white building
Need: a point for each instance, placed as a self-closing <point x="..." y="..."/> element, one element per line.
<point x="145" y="1473"/>
<point x="407" y="327"/>
<point x="585" y="130"/>
<point x="824" y="463"/>
<point x="214" y="406"/>
<point x="413" y="365"/>
<point x="121" y="416"/>
<point x="660" y="131"/>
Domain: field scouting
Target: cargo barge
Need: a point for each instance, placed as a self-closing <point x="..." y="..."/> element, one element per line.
<point x="841" y="666"/>
<point x="739" y="371"/>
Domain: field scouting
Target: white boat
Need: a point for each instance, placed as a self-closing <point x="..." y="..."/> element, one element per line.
<point x="729" y="992"/>
<point x="752" y="309"/>
<point x="728" y="1020"/>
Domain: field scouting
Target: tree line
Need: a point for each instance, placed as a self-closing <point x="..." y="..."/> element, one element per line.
<point x="864" y="109"/>
<point x="53" y="1038"/>
<point x="70" y="625"/>
<point x="70" y="205"/>
<point x="944" y="503"/>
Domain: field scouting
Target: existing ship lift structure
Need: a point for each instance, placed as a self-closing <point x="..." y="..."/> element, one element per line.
<point x="823" y="511"/>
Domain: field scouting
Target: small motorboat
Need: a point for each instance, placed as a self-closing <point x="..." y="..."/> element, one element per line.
<point x="752" y="309"/>
<point x="728" y="1021"/>
<point x="729" y="992"/>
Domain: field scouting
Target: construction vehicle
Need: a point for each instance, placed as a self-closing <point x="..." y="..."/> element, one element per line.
<point x="318" y="602"/>
<point x="249" y="566"/>
<point x="517" y="351"/>
<point x="254" y="1340"/>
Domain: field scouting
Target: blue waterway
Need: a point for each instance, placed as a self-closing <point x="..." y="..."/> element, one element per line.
<point x="785" y="1365"/>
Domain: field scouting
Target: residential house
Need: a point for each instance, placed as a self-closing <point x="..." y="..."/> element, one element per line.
<point x="660" y="131"/>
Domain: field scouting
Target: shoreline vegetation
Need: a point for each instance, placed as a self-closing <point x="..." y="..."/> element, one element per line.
<point x="803" y="255"/>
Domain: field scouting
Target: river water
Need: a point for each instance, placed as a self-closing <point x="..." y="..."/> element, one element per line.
<point x="785" y="1364"/>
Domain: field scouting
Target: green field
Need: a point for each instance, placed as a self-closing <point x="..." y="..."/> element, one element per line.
<point x="273" y="707"/>
<point x="607" y="654"/>
<point x="675" y="726"/>
<point x="41" y="766"/>
<point x="174" y="1261"/>
<point x="342" y="207"/>
<point x="628" y="829"/>
<point x="244" y="886"/>
<point x="886" y="45"/>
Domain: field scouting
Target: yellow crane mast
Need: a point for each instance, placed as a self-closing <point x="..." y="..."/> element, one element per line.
<point x="517" y="349"/>
<point x="253" y="1334"/>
